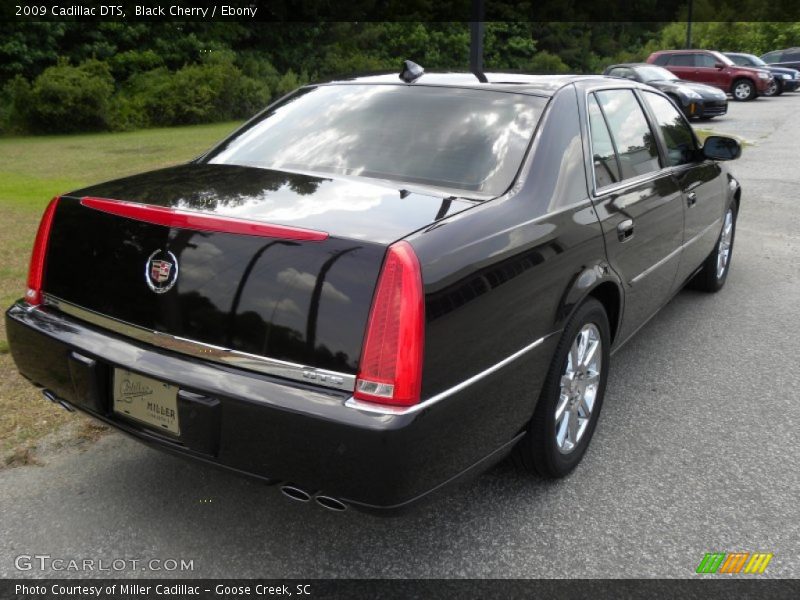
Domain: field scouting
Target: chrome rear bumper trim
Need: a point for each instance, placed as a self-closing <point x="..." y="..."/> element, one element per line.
<point x="405" y="410"/>
<point x="209" y="352"/>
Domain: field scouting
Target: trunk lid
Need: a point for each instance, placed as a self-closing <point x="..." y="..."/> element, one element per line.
<point x="300" y="301"/>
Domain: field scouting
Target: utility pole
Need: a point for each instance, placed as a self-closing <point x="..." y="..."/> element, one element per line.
<point x="689" y="27"/>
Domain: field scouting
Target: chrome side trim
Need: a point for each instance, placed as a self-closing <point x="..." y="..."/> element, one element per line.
<point x="672" y="254"/>
<point x="209" y="352"/>
<point x="406" y="410"/>
<point x="660" y="263"/>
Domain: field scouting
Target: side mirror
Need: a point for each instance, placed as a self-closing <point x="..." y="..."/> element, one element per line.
<point x="720" y="147"/>
<point x="719" y="65"/>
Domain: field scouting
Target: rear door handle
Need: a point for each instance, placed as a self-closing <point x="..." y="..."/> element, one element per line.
<point x="625" y="230"/>
<point x="691" y="199"/>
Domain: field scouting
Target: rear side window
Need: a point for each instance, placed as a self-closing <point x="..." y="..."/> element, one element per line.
<point x="468" y="140"/>
<point x="638" y="152"/>
<point x="792" y="56"/>
<point x="682" y="60"/>
<point x="661" y="59"/>
<point x="677" y="134"/>
<point x="604" y="158"/>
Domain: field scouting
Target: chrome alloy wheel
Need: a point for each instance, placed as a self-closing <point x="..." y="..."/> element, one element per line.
<point x="742" y="90"/>
<point x="725" y="239"/>
<point x="579" y="384"/>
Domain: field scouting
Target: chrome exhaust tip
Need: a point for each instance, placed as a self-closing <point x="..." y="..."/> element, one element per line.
<point x="56" y="400"/>
<point x="295" y="493"/>
<point x="331" y="503"/>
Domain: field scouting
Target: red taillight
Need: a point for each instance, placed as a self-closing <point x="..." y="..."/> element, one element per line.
<point x="187" y="219"/>
<point x="391" y="360"/>
<point x="33" y="295"/>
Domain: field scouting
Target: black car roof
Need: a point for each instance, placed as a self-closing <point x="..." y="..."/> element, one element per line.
<point x="540" y="85"/>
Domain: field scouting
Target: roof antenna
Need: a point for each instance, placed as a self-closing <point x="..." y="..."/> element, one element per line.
<point x="411" y="71"/>
<point x="476" y="41"/>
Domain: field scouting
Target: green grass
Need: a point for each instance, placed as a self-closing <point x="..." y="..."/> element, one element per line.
<point x="32" y="171"/>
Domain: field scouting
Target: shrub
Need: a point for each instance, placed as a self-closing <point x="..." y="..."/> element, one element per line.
<point x="16" y="100"/>
<point x="544" y="62"/>
<point x="65" y="98"/>
<point x="213" y="91"/>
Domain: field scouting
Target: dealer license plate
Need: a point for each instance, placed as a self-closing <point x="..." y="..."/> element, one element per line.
<point x="146" y="400"/>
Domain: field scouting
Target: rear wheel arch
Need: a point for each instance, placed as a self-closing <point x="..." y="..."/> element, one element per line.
<point x="610" y="296"/>
<point x="607" y="291"/>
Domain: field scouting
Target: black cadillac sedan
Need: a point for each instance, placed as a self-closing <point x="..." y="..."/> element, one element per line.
<point x="378" y="286"/>
<point x="694" y="99"/>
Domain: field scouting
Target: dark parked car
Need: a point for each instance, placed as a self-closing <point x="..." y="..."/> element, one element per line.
<point x="713" y="68"/>
<point x="789" y="58"/>
<point x="694" y="99"/>
<point x="377" y="286"/>
<point x="784" y="79"/>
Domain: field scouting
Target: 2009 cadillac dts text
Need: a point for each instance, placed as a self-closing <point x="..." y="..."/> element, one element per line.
<point x="379" y="285"/>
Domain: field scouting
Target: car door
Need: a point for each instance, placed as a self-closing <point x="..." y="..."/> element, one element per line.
<point x="683" y="65"/>
<point x="707" y="72"/>
<point x="638" y="203"/>
<point x="699" y="180"/>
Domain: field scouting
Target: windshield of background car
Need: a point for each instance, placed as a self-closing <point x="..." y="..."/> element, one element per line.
<point x="655" y="74"/>
<point x="462" y="139"/>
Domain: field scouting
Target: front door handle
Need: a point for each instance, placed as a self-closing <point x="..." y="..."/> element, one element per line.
<point x="625" y="230"/>
<point x="691" y="199"/>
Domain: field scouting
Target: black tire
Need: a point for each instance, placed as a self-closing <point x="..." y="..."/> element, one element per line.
<point x="774" y="89"/>
<point x="538" y="451"/>
<point x="709" y="278"/>
<point x="744" y="90"/>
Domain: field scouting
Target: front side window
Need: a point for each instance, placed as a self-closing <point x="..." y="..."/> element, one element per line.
<point x="706" y="60"/>
<point x="636" y="146"/>
<point x="772" y="57"/>
<point x="604" y="158"/>
<point x="468" y="140"/>
<point x="677" y="134"/>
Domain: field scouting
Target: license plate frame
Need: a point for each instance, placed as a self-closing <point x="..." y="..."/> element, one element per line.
<point x="148" y="401"/>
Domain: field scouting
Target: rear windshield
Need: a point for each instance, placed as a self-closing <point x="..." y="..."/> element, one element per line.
<point x="460" y="139"/>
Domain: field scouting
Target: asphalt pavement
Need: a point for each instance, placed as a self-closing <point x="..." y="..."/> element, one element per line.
<point x="696" y="451"/>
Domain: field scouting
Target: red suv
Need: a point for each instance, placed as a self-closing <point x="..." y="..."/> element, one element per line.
<point x="714" y="68"/>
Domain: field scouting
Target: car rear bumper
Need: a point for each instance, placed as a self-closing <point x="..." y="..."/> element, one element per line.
<point x="263" y="426"/>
